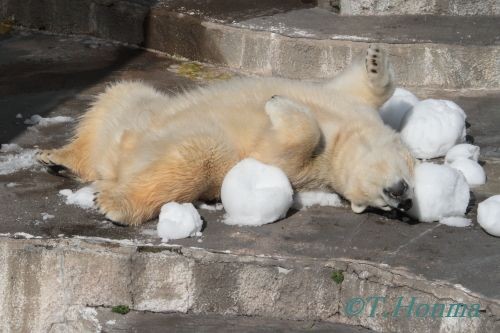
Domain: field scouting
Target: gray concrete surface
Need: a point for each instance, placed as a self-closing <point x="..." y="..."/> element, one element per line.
<point x="418" y="7"/>
<point x="284" y="38"/>
<point x="181" y="323"/>
<point x="282" y="270"/>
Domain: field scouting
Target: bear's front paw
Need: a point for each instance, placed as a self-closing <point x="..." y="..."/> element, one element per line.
<point x="44" y="157"/>
<point x="108" y="205"/>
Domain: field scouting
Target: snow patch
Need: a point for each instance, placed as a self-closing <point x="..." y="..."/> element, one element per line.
<point x="83" y="198"/>
<point x="394" y="110"/>
<point x="44" y="122"/>
<point x="205" y="206"/>
<point x="488" y="215"/>
<point x="10" y="148"/>
<point x="303" y="200"/>
<point x="254" y="193"/>
<point x="455" y="221"/>
<point x="24" y="235"/>
<point x="16" y="159"/>
<point x="432" y="127"/>
<point x="178" y="221"/>
<point x="440" y="191"/>
<point x="47" y="216"/>
<point x="282" y="270"/>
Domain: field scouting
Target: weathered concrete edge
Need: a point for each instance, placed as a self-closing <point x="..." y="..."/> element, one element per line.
<point x="266" y="53"/>
<point x="43" y="279"/>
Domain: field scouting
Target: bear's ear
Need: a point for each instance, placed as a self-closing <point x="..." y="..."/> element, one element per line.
<point x="357" y="209"/>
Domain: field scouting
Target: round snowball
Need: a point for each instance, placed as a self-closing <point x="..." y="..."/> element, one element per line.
<point x="178" y="221"/>
<point x="254" y="193"/>
<point x="396" y="107"/>
<point x="463" y="150"/>
<point x="488" y="215"/>
<point x="432" y="127"/>
<point x="473" y="172"/>
<point x="440" y="191"/>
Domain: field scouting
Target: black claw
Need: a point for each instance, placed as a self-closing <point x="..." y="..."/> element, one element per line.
<point x="377" y="50"/>
<point x="374" y="71"/>
<point x="118" y="224"/>
<point x="375" y="56"/>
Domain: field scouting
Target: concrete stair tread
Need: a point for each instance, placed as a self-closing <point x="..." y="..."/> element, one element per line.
<point x="321" y="24"/>
<point x="147" y="322"/>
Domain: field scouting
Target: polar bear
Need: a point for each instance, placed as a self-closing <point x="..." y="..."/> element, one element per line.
<point x="143" y="148"/>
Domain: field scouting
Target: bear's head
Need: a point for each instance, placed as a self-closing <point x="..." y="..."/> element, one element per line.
<point x="380" y="172"/>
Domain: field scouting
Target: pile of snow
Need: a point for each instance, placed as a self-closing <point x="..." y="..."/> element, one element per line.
<point x="178" y="221"/>
<point x="44" y="122"/>
<point x="396" y="107"/>
<point x="440" y="192"/>
<point x="303" y="200"/>
<point x="488" y="215"/>
<point x="432" y="127"/>
<point x="83" y="198"/>
<point x="15" y="158"/>
<point x="456" y="221"/>
<point x="254" y="193"/>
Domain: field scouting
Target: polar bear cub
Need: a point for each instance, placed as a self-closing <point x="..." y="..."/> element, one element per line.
<point x="143" y="148"/>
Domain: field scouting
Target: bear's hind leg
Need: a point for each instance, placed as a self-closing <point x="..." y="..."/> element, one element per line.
<point x="294" y="137"/>
<point x="379" y="70"/>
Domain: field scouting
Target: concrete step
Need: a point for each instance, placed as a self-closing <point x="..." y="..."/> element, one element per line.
<point x="415" y="7"/>
<point x="148" y="322"/>
<point x="310" y="266"/>
<point x="288" y="38"/>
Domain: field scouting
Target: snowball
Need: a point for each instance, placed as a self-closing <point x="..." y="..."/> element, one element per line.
<point x="440" y="191"/>
<point x="488" y="215"/>
<point x="455" y="221"/>
<point x="83" y="198"/>
<point x="254" y="193"/>
<point x="44" y="122"/>
<point x="432" y="127"/>
<point x="178" y="221"/>
<point x="463" y="150"/>
<point x="396" y="107"/>
<point x="473" y="172"/>
<point x="307" y="199"/>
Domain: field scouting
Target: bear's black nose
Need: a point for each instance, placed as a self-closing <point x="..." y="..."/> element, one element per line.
<point x="405" y="205"/>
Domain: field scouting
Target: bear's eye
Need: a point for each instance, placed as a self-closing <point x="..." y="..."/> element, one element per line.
<point x="397" y="190"/>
